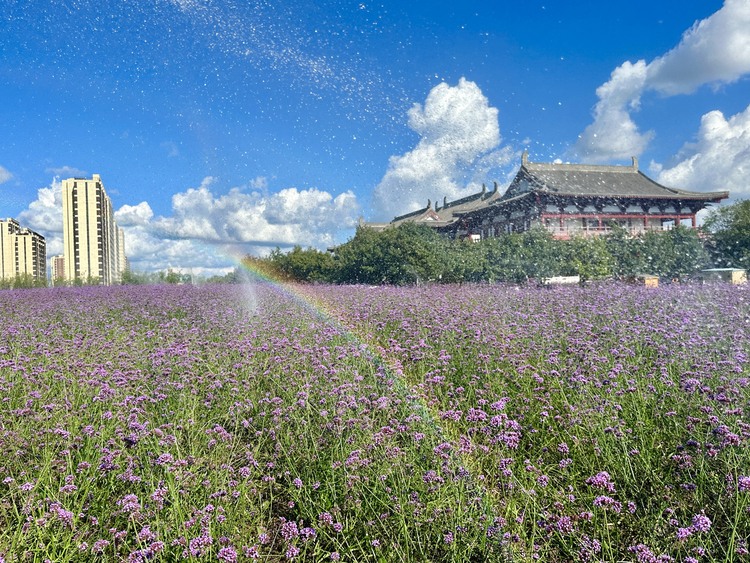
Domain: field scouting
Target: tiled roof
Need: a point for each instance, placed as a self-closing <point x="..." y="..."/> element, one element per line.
<point x="601" y="181"/>
<point x="451" y="209"/>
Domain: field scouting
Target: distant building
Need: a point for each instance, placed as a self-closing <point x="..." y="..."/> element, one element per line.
<point x="93" y="245"/>
<point x="58" y="268"/>
<point x="23" y="252"/>
<point x="122" y="264"/>
<point x="567" y="200"/>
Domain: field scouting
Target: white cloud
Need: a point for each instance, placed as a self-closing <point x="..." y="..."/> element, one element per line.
<point x="5" y="175"/>
<point x="306" y="217"/>
<point x="139" y="214"/>
<point x="613" y="134"/>
<point x="148" y="252"/>
<point x="44" y="214"/>
<point x="458" y="146"/>
<point x="718" y="160"/>
<point x="67" y="172"/>
<point x="714" y="51"/>
<point x="207" y="232"/>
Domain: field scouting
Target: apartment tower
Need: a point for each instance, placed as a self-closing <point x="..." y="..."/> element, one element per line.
<point x="23" y="252"/>
<point x="57" y="268"/>
<point x="93" y="246"/>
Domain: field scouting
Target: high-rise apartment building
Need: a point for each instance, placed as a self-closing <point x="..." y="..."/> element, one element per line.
<point x="57" y="268"/>
<point x="93" y="246"/>
<point x="23" y="252"/>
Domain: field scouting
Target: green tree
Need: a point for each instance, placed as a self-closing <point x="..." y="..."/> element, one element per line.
<point x="235" y="276"/>
<point x="255" y="266"/>
<point x="627" y="252"/>
<point x="130" y="277"/>
<point x="503" y="258"/>
<point x="411" y="254"/>
<point x="309" y="265"/>
<point x="729" y="228"/>
<point x="658" y="253"/>
<point x="22" y="281"/>
<point x="689" y="254"/>
<point x="80" y="282"/>
<point x="674" y="254"/>
<point x="463" y="261"/>
<point x="407" y="254"/>
<point x="541" y="254"/>
<point x="173" y="277"/>
<point x="589" y="258"/>
<point x="359" y="259"/>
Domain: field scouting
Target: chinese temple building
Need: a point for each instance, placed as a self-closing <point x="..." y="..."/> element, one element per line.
<point x="567" y="200"/>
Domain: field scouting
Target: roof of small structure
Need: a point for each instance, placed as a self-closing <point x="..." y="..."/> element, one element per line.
<point x="423" y="214"/>
<point x="440" y="216"/>
<point x="451" y="209"/>
<point x="581" y="180"/>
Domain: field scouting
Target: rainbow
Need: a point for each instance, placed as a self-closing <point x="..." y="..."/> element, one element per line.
<point x="391" y="368"/>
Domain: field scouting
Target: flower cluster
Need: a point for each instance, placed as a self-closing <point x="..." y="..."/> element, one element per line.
<point x="256" y="422"/>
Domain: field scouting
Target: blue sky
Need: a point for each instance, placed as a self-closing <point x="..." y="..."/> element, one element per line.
<point x="228" y="127"/>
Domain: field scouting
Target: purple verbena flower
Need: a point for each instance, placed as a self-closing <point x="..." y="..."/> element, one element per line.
<point x="701" y="523"/>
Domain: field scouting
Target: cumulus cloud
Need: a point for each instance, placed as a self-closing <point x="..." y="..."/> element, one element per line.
<point x="309" y="217"/>
<point x="44" y="214"/>
<point x="713" y="51"/>
<point x="5" y="175"/>
<point x="458" y="146"/>
<point x="147" y="251"/>
<point x="67" y="172"/>
<point x="129" y="215"/>
<point x="614" y="134"/>
<point x="205" y="231"/>
<point x="718" y="160"/>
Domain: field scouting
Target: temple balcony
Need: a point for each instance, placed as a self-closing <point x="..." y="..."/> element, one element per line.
<point x="565" y="233"/>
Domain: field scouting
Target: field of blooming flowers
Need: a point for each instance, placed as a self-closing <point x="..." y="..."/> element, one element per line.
<point x="474" y="423"/>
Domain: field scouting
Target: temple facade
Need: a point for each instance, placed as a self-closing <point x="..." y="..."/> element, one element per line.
<point x="567" y="200"/>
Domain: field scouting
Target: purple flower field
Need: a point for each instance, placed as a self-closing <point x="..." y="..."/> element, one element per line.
<point x="473" y="423"/>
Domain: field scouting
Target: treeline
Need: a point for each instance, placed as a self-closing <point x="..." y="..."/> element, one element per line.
<point x="27" y="281"/>
<point x="412" y="254"/>
<point x="22" y="281"/>
<point x="177" y="278"/>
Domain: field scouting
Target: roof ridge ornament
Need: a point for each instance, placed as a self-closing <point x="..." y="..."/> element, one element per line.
<point x="635" y="162"/>
<point x="525" y="157"/>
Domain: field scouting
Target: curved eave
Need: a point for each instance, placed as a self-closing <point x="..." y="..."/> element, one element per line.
<point x="412" y="214"/>
<point x="714" y="197"/>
